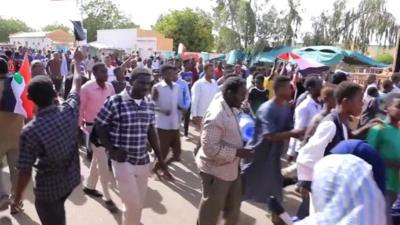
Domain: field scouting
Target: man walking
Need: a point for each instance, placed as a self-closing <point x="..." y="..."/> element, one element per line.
<point x="165" y="95"/>
<point x="9" y="138"/>
<point x="203" y="92"/>
<point x="219" y="156"/>
<point x="93" y="95"/>
<point x="125" y="125"/>
<point x="187" y="75"/>
<point x="49" y="143"/>
<point x="53" y="69"/>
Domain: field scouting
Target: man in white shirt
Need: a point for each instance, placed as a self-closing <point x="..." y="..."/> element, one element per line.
<point x="165" y="95"/>
<point x="110" y="68"/>
<point x="305" y="112"/>
<point x="203" y="92"/>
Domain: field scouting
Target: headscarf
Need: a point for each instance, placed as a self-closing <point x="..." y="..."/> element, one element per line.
<point x="344" y="193"/>
<point x="366" y="152"/>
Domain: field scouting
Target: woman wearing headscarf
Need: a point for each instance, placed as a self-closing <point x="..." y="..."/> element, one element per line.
<point x="366" y="152"/>
<point x="344" y="192"/>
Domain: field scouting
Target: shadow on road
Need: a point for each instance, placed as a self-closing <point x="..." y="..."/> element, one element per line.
<point x="5" y="221"/>
<point x="187" y="183"/>
<point x="246" y="219"/>
<point x="153" y="201"/>
<point x="24" y="219"/>
<point x="78" y="197"/>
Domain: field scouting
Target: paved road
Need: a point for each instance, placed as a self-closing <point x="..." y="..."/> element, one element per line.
<point x="167" y="203"/>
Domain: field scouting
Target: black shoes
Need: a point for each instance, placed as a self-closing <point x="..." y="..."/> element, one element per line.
<point x="92" y="192"/>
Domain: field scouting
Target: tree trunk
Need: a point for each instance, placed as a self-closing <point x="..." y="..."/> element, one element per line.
<point x="396" y="62"/>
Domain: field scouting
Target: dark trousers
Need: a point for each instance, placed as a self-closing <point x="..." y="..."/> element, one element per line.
<point x="170" y="139"/>
<point x="51" y="213"/>
<point x="186" y="121"/>
<point x="57" y="83"/>
<point x="304" y="208"/>
<point x="219" y="196"/>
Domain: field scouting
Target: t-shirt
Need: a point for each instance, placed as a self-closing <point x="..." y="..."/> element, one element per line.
<point x="269" y="85"/>
<point x="256" y="98"/>
<point x="385" y="139"/>
<point x="187" y="76"/>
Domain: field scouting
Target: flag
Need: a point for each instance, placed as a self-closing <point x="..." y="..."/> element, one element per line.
<point x="181" y="48"/>
<point x="79" y="33"/>
<point x="20" y="84"/>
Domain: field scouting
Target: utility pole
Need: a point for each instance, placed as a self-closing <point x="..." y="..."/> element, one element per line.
<point x="396" y="61"/>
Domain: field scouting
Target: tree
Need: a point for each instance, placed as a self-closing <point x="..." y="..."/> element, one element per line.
<point x="103" y="14"/>
<point x="56" y="26"/>
<point x="354" y="28"/>
<point x="238" y="16"/>
<point x="227" y="39"/>
<point x="11" y="26"/>
<point x="385" y="58"/>
<point x="191" y="28"/>
<point x="292" y="21"/>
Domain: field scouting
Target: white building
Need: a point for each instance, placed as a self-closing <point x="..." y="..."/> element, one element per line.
<point x="55" y="40"/>
<point x="144" y="41"/>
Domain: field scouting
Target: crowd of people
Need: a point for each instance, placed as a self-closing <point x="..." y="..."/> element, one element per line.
<point x="339" y="139"/>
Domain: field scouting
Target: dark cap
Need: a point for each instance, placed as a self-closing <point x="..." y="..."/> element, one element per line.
<point x="338" y="77"/>
<point x="138" y="71"/>
<point x="166" y="67"/>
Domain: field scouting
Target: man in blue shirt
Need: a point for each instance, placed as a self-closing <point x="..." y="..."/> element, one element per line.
<point x="184" y="93"/>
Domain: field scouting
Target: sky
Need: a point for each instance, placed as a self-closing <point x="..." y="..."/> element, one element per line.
<point x="38" y="13"/>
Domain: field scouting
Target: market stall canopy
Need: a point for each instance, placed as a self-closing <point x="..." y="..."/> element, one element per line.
<point x="217" y="57"/>
<point x="191" y="55"/>
<point x="101" y="46"/>
<point x="327" y="55"/>
<point x="168" y="55"/>
<point x="233" y="56"/>
<point x="357" y="58"/>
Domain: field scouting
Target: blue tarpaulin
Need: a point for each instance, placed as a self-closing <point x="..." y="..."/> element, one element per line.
<point x="326" y="55"/>
<point x="359" y="58"/>
<point x="233" y="56"/>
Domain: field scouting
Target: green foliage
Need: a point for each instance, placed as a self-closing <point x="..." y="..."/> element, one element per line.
<point x="227" y="39"/>
<point x="354" y="28"/>
<point x="191" y="28"/>
<point x="56" y="26"/>
<point x="11" y="26"/>
<point x="103" y="14"/>
<point x="385" y="58"/>
<point x="233" y="19"/>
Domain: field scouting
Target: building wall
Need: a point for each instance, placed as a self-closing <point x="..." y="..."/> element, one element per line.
<point x="146" y="46"/>
<point x="31" y="42"/>
<point x="118" y="38"/>
<point x="60" y="36"/>
<point x="163" y="44"/>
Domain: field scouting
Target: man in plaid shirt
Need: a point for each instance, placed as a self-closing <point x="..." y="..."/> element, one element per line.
<point x="49" y="143"/>
<point x="124" y="125"/>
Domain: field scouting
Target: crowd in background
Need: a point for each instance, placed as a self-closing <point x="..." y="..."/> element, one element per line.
<point x="339" y="139"/>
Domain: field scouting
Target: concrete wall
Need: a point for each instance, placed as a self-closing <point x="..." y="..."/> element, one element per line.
<point x="146" y="46"/>
<point x="163" y="44"/>
<point x="32" y="42"/>
<point x="118" y="38"/>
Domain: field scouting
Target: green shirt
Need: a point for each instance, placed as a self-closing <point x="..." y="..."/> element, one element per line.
<point x="386" y="140"/>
